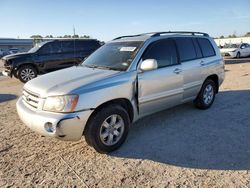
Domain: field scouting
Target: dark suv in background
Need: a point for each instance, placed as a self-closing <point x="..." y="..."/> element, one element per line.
<point x="48" y="56"/>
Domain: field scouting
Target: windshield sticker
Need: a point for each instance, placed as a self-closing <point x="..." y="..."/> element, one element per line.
<point x="127" y="49"/>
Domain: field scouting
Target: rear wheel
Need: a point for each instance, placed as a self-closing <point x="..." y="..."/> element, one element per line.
<point x="107" y="130"/>
<point x="206" y="95"/>
<point x="26" y="73"/>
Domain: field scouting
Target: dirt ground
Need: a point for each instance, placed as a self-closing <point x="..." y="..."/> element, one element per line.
<point x="180" y="147"/>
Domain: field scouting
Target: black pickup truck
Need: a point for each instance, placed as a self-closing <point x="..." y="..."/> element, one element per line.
<point x="48" y="56"/>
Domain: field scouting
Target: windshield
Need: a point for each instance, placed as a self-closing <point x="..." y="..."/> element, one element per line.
<point x="114" y="56"/>
<point x="231" y="46"/>
<point x="37" y="47"/>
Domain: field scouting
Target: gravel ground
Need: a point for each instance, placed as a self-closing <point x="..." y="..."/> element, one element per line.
<point x="180" y="147"/>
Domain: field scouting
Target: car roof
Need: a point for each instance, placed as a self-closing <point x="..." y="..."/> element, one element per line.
<point x="146" y="36"/>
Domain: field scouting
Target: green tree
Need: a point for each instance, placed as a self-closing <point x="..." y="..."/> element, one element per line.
<point x="85" y="36"/>
<point x="36" y="37"/>
<point x="67" y="36"/>
<point x="49" y="36"/>
<point x="75" y="36"/>
<point x="247" y="34"/>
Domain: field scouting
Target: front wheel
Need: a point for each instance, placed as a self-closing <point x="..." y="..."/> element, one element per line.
<point x="26" y="73"/>
<point x="107" y="130"/>
<point x="206" y="95"/>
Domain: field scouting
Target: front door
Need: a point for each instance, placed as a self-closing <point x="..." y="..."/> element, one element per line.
<point x="161" y="88"/>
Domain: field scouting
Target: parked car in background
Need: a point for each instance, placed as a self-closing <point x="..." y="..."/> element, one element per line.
<point x="124" y="80"/>
<point x="48" y="56"/>
<point x="13" y="50"/>
<point x="235" y="50"/>
<point x="1" y="53"/>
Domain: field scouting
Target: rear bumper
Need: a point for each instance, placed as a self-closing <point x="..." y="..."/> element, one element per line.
<point x="64" y="126"/>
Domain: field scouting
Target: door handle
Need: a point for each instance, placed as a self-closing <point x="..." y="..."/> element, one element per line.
<point x="202" y="63"/>
<point x="177" y="71"/>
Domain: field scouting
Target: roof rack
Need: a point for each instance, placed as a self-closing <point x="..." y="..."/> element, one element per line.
<point x="156" y="34"/>
<point x="129" y="36"/>
<point x="180" y="32"/>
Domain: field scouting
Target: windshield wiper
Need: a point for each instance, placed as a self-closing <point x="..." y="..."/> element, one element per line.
<point x="103" y="67"/>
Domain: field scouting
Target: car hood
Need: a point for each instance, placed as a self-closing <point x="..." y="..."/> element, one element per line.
<point x="223" y="50"/>
<point x="12" y="56"/>
<point x="67" y="80"/>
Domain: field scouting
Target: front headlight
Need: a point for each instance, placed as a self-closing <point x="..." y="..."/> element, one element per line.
<point x="64" y="103"/>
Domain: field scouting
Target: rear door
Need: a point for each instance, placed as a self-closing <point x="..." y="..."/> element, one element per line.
<point x="161" y="88"/>
<point x="191" y="60"/>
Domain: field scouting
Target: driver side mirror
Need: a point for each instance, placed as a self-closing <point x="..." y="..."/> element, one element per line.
<point x="148" y="64"/>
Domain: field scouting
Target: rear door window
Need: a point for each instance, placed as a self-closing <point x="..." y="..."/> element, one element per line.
<point x="164" y="51"/>
<point x="186" y="49"/>
<point x="206" y="47"/>
<point x="197" y="48"/>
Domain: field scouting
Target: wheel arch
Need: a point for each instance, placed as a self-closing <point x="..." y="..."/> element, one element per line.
<point x="215" y="78"/>
<point x="25" y="64"/>
<point x="123" y="102"/>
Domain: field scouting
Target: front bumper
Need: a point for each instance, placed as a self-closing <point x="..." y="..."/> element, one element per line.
<point x="229" y="54"/>
<point x="6" y="73"/>
<point x="68" y="126"/>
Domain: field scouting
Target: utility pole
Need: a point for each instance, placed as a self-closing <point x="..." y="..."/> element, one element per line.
<point x="74" y="31"/>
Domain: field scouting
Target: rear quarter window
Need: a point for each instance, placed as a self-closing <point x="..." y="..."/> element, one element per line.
<point x="186" y="49"/>
<point x="206" y="47"/>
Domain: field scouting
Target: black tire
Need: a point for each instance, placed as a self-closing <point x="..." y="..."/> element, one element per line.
<point x="26" y="73"/>
<point x="95" y="126"/>
<point x="238" y="55"/>
<point x="15" y="74"/>
<point x="200" y="101"/>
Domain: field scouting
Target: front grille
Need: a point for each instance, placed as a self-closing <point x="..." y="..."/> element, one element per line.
<point x="30" y="99"/>
<point x="227" y="54"/>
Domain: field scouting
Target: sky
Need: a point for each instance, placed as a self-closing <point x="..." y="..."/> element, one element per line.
<point x="108" y="19"/>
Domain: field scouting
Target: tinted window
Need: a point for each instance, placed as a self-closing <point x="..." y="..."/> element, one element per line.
<point x="163" y="51"/>
<point x="186" y="49"/>
<point x="197" y="48"/>
<point x="206" y="47"/>
<point x="87" y="45"/>
<point x="45" y="49"/>
<point x="50" y="48"/>
<point x="68" y="46"/>
<point x="55" y="47"/>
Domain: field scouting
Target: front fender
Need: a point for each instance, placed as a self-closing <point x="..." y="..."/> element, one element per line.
<point x="122" y="86"/>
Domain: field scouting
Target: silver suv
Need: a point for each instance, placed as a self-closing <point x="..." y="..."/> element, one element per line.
<point x="124" y="80"/>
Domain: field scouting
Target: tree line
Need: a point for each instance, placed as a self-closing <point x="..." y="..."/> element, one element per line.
<point x="65" y="36"/>
<point x="234" y="35"/>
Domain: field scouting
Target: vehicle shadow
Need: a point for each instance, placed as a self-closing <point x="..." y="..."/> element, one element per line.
<point x="7" y="97"/>
<point x="217" y="138"/>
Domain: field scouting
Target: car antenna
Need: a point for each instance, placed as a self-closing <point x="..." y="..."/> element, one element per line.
<point x="74" y="34"/>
